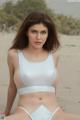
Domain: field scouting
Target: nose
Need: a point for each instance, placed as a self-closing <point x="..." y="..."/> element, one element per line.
<point x="38" y="35"/>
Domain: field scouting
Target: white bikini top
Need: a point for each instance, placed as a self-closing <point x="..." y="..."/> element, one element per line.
<point x="35" y="76"/>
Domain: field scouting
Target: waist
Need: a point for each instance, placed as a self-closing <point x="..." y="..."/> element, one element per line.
<point x="37" y="98"/>
<point x="33" y="89"/>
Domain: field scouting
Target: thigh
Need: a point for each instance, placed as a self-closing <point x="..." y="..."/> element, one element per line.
<point x="18" y="115"/>
<point x="69" y="116"/>
<point x="61" y="115"/>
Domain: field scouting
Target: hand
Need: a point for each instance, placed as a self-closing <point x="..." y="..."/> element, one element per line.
<point x="2" y="115"/>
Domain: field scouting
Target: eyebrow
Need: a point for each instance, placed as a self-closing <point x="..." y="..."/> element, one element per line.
<point x="33" y="29"/>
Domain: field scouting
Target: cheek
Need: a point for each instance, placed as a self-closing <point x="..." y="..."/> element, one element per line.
<point x="45" y="38"/>
<point x="31" y="38"/>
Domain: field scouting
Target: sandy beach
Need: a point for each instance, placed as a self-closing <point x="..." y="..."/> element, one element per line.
<point x="68" y="91"/>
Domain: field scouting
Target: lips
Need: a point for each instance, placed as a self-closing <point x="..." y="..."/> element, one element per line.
<point x="38" y="42"/>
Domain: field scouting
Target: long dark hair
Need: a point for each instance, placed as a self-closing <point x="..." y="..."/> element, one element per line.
<point x="21" y="40"/>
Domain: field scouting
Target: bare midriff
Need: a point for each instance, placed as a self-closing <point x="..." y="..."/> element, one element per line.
<point x="33" y="100"/>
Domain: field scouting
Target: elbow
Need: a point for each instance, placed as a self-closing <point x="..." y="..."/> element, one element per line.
<point x="12" y="89"/>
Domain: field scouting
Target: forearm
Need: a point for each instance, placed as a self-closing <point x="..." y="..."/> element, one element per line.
<point x="10" y="99"/>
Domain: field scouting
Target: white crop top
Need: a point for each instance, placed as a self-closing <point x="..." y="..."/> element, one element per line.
<point x="35" y="76"/>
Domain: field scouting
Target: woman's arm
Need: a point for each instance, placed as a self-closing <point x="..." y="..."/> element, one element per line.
<point x="12" y="88"/>
<point x="56" y="58"/>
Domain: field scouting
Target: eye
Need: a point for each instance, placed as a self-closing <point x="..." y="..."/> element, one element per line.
<point x="33" y="31"/>
<point x="43" y="32"/>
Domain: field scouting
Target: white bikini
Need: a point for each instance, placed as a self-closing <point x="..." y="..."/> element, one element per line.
<point x="36" y="77"/>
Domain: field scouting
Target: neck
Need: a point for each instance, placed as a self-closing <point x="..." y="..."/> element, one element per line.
<point x="35" y="52"/>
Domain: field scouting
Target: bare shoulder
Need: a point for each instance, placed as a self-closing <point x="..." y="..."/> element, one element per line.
<point x="12" y="54"/>
<point x="56" y="56"/>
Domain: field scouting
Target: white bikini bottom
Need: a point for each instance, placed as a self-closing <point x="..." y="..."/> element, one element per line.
<point x="41" y="113"/>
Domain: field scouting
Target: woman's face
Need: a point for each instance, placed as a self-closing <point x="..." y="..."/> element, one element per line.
<point x="37" y="35"/>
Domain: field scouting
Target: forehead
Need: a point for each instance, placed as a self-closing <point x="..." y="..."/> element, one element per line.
<point x="39" y="27"/>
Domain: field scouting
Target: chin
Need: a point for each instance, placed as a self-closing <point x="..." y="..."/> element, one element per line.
<point x="38" y="45"/>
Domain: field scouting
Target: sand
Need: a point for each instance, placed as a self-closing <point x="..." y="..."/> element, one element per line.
<point x="68" y="91"/>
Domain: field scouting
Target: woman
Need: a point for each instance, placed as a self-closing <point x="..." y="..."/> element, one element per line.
<point x="33" y="61"/>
